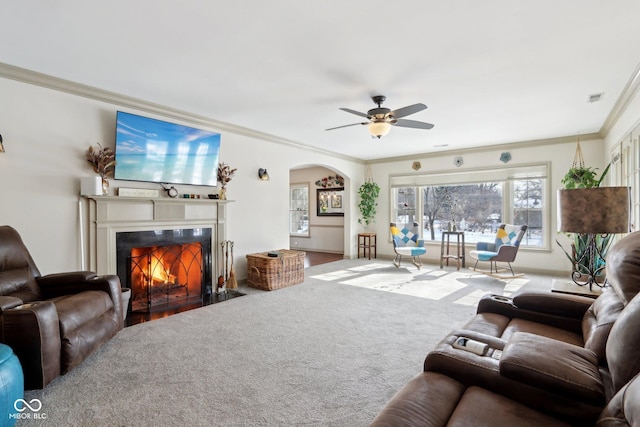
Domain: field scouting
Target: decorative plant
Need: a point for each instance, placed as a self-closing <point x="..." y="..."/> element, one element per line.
<point x="225" y="173"/>
<point x="368" y="192"/>
<point x="102" y="160"/>
<point x="583" y="177"/>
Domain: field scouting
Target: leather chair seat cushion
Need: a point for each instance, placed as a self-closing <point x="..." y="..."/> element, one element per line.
<point x="433" y="399"/>
<point x="497" y="325"/>
<point x="80" y="309"/>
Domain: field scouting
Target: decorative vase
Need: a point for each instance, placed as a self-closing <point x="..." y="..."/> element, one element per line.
<point x="105" y="186"/>
<point x="223" y="193"/>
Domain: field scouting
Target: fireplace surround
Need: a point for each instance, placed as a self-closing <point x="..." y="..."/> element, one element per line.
<point x="113" y="221"/>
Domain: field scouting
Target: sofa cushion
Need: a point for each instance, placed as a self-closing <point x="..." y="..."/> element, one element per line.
<point x="623" y="345"/>
<point x="598" y="321"/>
<point x="566" y="369"/>
<point x="432" y="399"/>
<point x="497" y="325"/>
<point x="479" y="407"/>
<point x="623" y="267"/>
<point x="79" y="309"/>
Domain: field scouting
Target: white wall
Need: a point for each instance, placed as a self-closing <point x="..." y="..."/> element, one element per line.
<point x="46" y="133"/>
<point x="326" y="233"/>
<point x="559" y="154"/>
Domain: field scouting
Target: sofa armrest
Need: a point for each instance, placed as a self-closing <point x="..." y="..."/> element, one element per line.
<point x="60" y="284"/>
<point x="7" y="302"/>
<point x="32" y="331"/>
<point x="51" y="282"/>
<point x="559" y="310"/>
<point x="574" y="306"/>
<point x="553" y="365"/>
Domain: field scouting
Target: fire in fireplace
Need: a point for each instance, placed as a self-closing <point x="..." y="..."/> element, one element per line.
<point x="164" y="276"/>
<point x="166" y="268"/>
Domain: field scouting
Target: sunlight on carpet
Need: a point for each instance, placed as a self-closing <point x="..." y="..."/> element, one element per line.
<point x="431" y="283"/>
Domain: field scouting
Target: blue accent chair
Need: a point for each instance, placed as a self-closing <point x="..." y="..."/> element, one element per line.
<point x="406" y="242"/>
<point x="503" y="249"/>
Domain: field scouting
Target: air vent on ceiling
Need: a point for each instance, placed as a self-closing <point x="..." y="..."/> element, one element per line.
<point x="595" y="97"/>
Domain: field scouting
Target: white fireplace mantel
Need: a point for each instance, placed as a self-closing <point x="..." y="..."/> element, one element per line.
<point x="108" y="215"/>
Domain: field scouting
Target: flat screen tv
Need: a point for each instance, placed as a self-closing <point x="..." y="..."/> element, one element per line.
<point x="156" y="151"/>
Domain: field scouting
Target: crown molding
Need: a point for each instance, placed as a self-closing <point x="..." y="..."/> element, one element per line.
<point x="628" y="93"/>
<point x="495" y="147"/>
<point x="78" y="89"/>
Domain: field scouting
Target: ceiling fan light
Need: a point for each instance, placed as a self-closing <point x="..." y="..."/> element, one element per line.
<point x="379" y="129"/>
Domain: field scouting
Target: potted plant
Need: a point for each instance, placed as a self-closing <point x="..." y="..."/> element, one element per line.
<point x="368" y="192"/>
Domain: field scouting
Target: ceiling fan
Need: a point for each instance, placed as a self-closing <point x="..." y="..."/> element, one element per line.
<point x="381" y="119"/>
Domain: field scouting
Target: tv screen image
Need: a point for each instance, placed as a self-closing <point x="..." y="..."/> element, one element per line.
<point x="157" y="151"/>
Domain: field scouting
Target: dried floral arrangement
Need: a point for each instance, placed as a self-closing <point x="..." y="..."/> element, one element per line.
<point x="225" y="173"/>
<point x="102" y="159"/>
<point x="330" y="181"/>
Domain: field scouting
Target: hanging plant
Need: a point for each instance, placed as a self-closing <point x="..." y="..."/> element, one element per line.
<point x="368" y="192"/>
<point x="580" y="176"/>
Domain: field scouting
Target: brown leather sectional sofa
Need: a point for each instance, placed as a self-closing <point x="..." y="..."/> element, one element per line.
<point x="545" y="359"/>
<point x="53" y="322"/>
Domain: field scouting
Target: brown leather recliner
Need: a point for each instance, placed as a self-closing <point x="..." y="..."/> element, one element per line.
<point x="432" y="399"/>
<point x="536" y="367"/>
<point x="53" y="322"/>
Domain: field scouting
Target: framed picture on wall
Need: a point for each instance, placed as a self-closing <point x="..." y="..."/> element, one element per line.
<point x="329" y="201"/>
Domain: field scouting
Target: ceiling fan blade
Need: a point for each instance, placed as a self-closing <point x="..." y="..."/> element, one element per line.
<point x="345" y="126"/>
<point x="413" y="124"/>
<point x="357" y="113"/>
<point x="405" y="111"/>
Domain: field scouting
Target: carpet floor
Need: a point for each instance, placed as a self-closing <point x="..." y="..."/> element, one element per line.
<point x="328" y="352"/>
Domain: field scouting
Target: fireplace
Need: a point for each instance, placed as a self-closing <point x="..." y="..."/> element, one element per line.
<point x="165" y="269"/>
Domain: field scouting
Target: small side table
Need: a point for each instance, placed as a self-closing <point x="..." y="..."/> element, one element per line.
<point x="460" y="251"/>
<point x="365" y="242"/>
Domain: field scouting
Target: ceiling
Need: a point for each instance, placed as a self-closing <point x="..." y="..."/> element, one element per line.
<point x="491" y="72"/>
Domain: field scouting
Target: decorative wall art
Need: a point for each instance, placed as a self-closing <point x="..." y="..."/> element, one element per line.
<point x="331" y="181"/>
<point x="329" y="202"/>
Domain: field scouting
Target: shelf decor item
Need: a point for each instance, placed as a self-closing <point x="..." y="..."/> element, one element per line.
<point x="102" y="160"/>
<point x="225" y="173"/>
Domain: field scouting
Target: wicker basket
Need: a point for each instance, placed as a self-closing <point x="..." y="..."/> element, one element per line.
<point x="269" y="273"/>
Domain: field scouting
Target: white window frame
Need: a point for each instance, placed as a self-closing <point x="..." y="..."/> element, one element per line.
<point x="306" y="186"/>
<point x="505" y="174"/>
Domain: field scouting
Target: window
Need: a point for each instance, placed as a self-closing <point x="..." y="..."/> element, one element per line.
<point x="474" y="203"/>
<point x="299" y="210"/>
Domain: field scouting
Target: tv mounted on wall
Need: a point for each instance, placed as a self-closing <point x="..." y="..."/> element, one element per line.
<point x="156" y="151"/>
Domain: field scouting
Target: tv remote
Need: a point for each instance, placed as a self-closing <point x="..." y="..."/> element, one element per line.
<point x="467" y="344"/>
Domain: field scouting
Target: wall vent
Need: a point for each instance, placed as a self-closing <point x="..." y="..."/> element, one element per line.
<point x="595" y="97"/>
